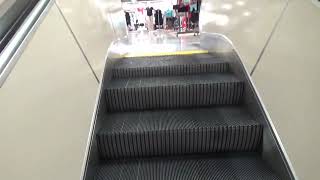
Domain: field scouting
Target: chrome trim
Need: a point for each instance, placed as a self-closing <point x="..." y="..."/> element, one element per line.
<point x="14" y="49"/>
<point x="5" y="6"/>
<point x="316" y="3"/>
<point x="275" y="133"/>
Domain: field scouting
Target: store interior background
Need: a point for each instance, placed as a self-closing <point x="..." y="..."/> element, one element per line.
<point x="279" y="37"/>
<point x="160" y="26"/>
<point x="168" y="15"/>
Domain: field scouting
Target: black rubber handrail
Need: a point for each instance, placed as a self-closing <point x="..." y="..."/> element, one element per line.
<point x="17" y="35"/>
<point x="16" y="23"/>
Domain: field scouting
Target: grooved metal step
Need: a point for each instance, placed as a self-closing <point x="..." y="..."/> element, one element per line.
<point x="177" y="118"/>
<point x="129" y="94"/>
<point x="168" y="66"/>
<point x="178" y="132"/>
<point x="244" y="166"/>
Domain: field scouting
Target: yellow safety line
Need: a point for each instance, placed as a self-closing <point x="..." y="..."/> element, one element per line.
<point x="177" y="53"/>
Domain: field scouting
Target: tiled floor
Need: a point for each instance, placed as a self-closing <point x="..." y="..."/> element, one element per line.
<point x="92" y="25"/>
<point x="287" y="78"/>
<point x="156" y="42"/>
<point x="248" y="23"/>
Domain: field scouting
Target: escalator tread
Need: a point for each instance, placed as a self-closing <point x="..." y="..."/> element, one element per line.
<point x="168" y="66"/>
<point x="157" y="120"/>
<point x="178" y="132"/>
<point x="131" y="94"/>
<point x="172" y="80"/>
<point x="242" y="166"/>
<point x="178" y="118"/>
<point x="164" y="61"/>
<point x="169" y="60"/>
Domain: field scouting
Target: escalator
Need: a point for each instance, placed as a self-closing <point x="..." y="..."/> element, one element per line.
<point x="193" y="116"/>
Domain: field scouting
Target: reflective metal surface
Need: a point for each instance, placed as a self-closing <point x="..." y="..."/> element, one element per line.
<point x="13" y="14"/>
<point x="5" y="5"/>
<point x="10" y="10"/>
<point x="155" y="42"/>
<point x="11" y="52"/>
<point x="272" y="150"/>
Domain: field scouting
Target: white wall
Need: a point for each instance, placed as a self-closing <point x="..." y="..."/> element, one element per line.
<point x="288" y="74"/>
<point x="288" y="79"/>
<point x="46" y="105"/>
<point x="5" y="5"/>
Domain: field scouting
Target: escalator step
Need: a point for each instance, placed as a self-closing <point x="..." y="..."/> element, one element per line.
<point x="178" y="132"/>
<point x="243" y="166"/>
<point x="130" y="94"/>
<point x="167" y="66"/>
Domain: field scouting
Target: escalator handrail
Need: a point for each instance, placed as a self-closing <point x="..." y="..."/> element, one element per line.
<point x="13" y="49"/>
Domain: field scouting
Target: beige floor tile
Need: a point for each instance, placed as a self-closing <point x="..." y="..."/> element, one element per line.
<point x="288" y="80"/>
<point x="247" y="23"/>
<point x="93" y="25"/>
<point x="46" y="106"/>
